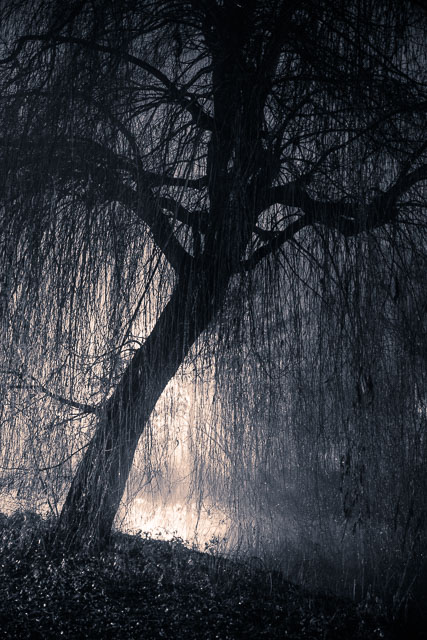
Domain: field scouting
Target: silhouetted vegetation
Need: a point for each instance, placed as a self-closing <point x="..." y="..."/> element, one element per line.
<point x="144" y="588"/>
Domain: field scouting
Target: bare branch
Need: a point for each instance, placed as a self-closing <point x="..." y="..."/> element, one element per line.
<point x="347" y="217"/>
<point x="276" y="241"/>
<point x="177" y="95"/>
<point x="48" y="468"/>
<point x="40" y="388"/>
<point x="136" y="168"/>
<point x="196" y="219"/>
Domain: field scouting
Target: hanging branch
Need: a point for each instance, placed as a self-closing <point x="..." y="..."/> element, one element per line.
<point x="40" y="388"/>
<point x="173" y="93"/>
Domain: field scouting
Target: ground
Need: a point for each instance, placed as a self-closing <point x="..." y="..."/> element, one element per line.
<point x="150" y="589"/>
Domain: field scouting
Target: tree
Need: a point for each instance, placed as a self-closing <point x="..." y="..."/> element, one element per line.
<point x="155" y="155"/>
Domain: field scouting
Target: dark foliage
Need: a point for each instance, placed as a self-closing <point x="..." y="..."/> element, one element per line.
<point x="144" y="588"/>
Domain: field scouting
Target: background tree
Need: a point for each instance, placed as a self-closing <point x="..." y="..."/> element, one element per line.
<point x="162" y="165"/>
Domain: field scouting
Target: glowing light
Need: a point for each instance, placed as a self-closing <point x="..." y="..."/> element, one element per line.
<point x="178" y="520"/>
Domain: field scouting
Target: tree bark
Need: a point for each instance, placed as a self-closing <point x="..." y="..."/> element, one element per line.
<point x="94" y="497"/>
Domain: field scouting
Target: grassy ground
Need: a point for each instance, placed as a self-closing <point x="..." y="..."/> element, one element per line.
<point x="142" y="588"/>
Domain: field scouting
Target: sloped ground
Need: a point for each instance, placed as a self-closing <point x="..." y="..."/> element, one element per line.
<point x="143" y="588"/>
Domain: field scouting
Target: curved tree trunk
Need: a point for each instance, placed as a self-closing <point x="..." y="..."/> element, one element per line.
<point x="97" y="488"/>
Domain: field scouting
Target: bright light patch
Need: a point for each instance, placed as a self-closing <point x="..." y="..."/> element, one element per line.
<point x="179" y="520"/>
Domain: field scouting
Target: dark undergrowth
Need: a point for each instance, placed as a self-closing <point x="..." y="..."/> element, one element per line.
<point x="147" y="589"/>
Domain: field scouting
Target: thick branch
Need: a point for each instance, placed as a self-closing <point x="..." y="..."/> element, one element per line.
<point x="275" y="243"/>
<point x="148" y="209"/>
<point x="144" y="203"/>
<point x="106" y="174"/>
<point x="195" y="219"/>
<point x="347" y="217"/>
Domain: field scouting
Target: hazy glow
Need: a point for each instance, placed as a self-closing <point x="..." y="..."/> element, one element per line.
<point x="176" y="520"/>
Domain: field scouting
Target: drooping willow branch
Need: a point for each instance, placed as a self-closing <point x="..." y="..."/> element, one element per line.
<point x="173" y="93"/>
<point x="36" y="386"/>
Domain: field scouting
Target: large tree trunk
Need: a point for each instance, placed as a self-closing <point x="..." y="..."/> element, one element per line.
<point x="97" y="488"/>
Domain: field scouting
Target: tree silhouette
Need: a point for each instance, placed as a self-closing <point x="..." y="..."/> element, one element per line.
<point x="154" y="156"/>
